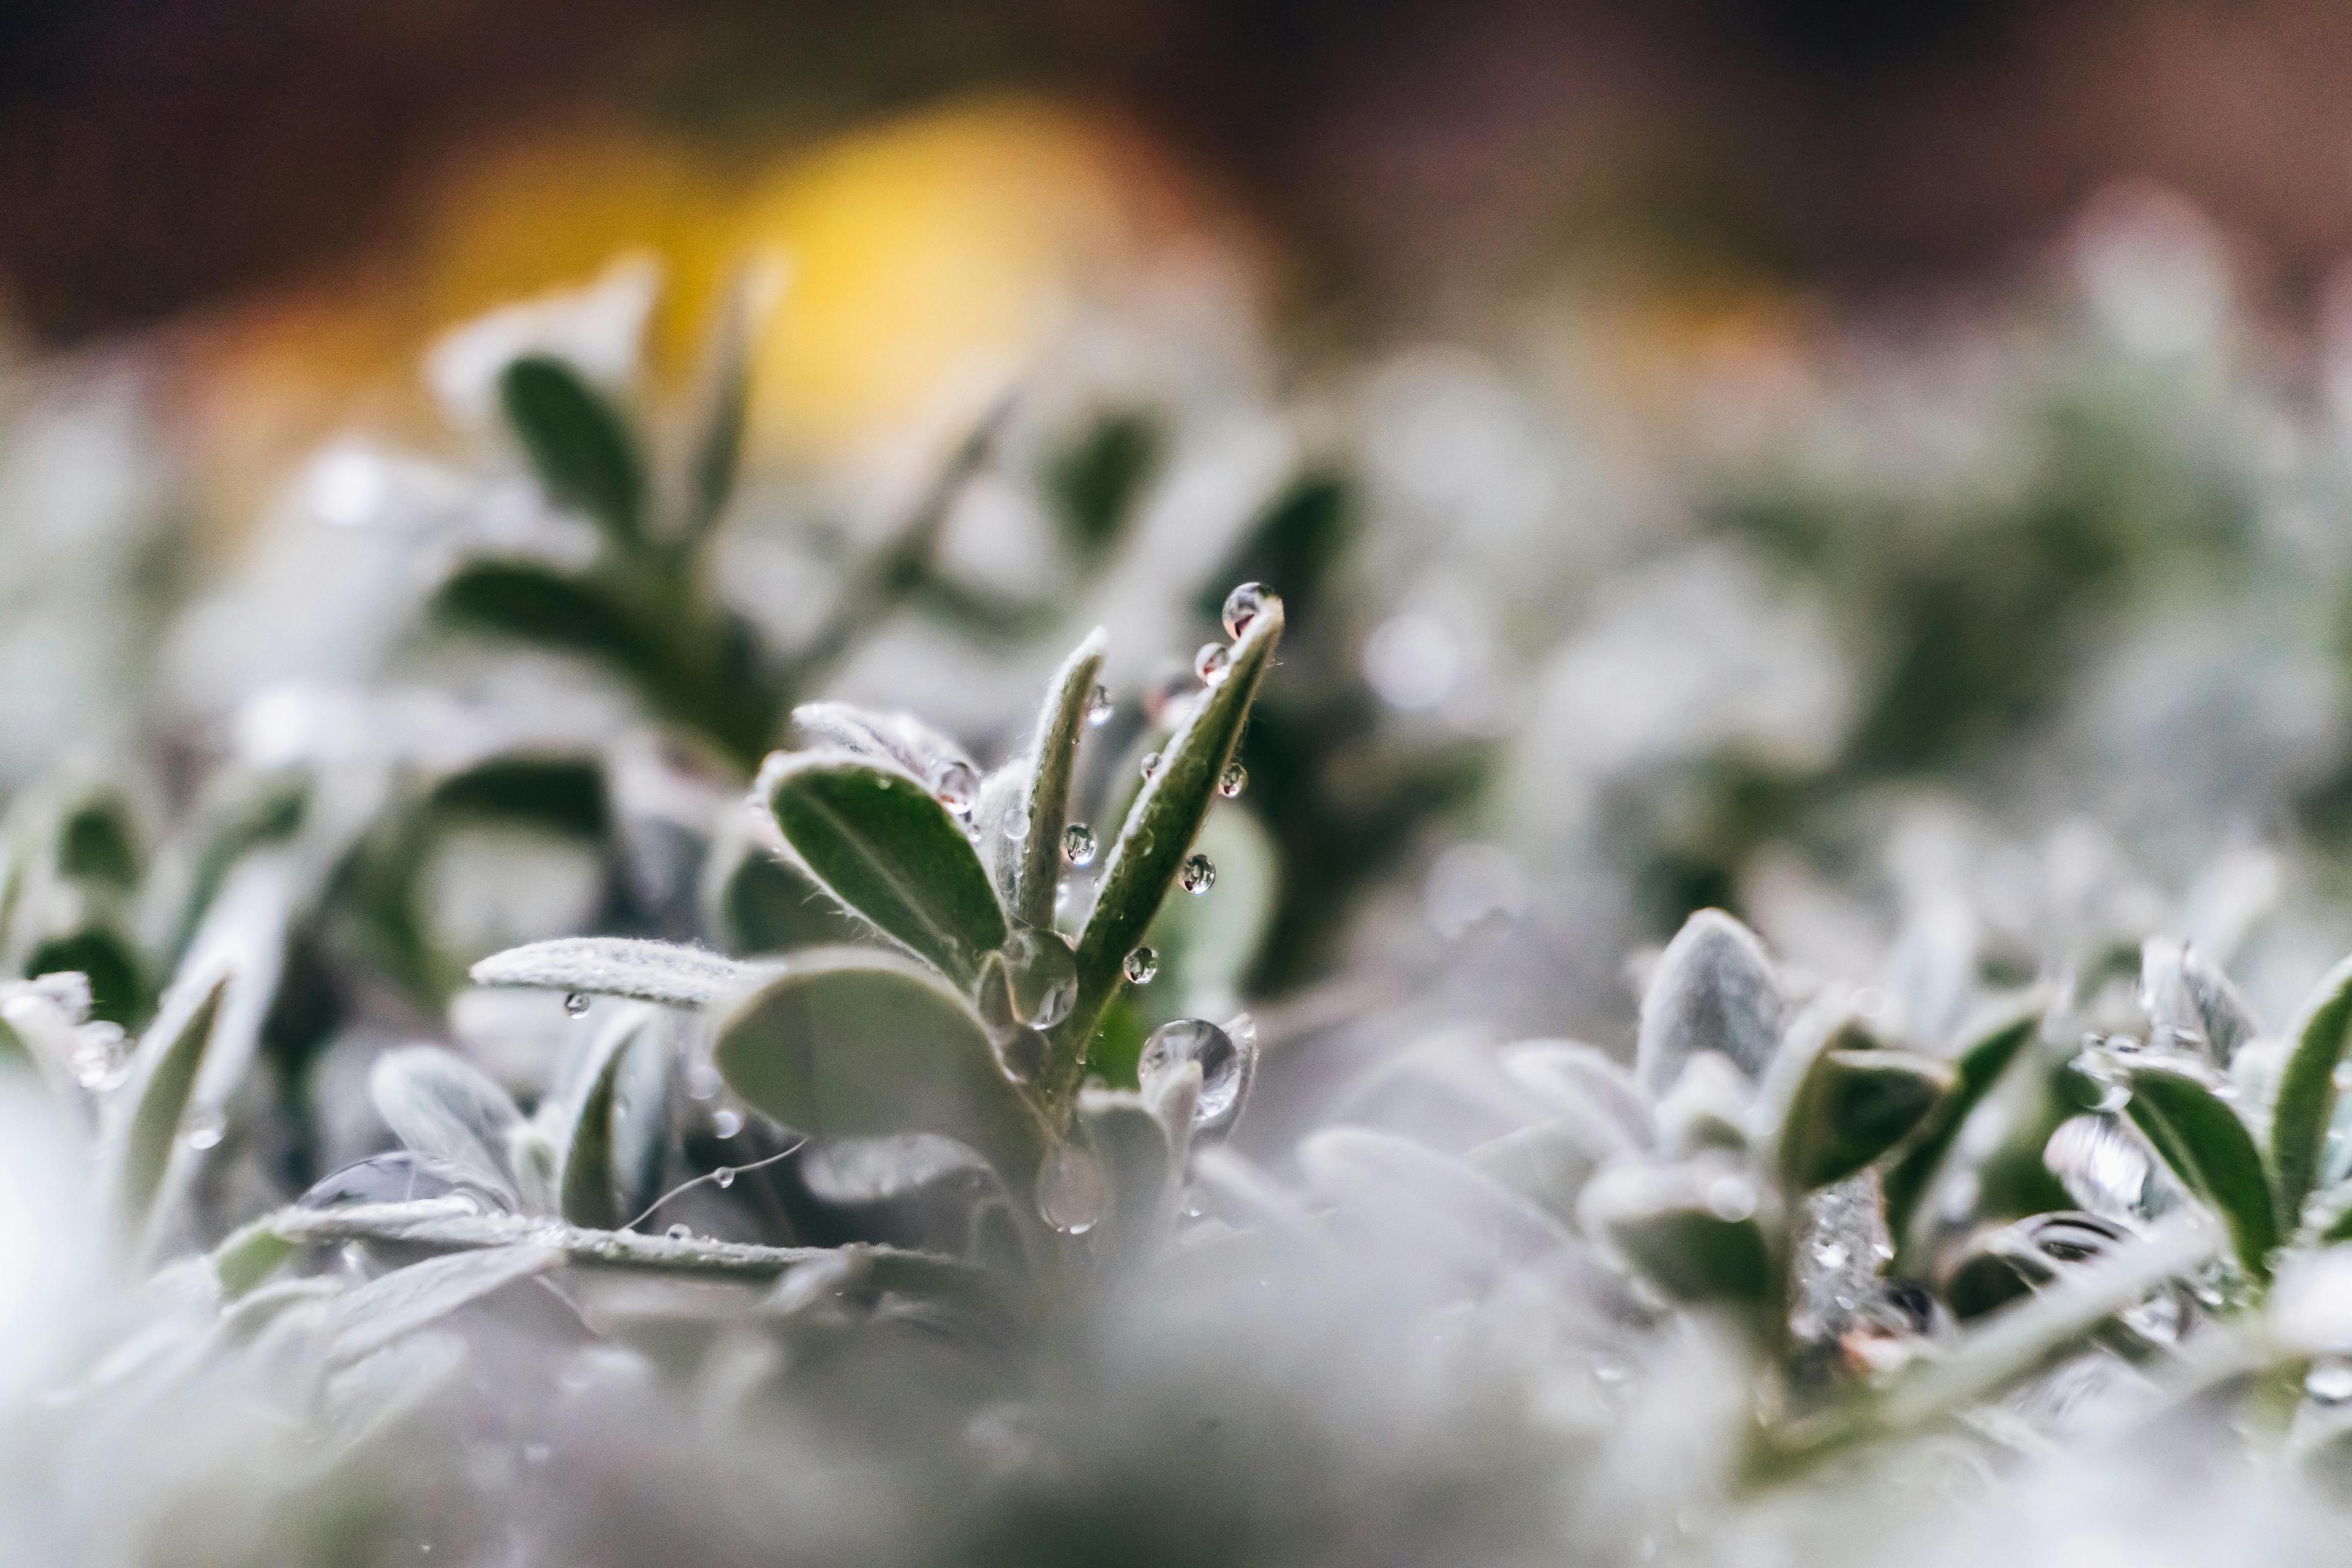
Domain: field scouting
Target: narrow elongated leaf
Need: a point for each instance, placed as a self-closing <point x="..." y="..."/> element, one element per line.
<point x="1851" y="1107"/>
<point x="1979" y="1066"/>
<point x="439" y="1104"/>
<point x="2306" y="1090"/>
<point x="643" y="971"/>
<point x="1133" y="1145"/>
<point x="1713" y="990"/>
<point x="885" y="849"/>
<point x="589" y="1183"/>
<point x="2213" y="1154"/>
<point x="1159" y="830"/>
<point x="1053" y="755"/>
<point x="156" y="1101"/>
<point x="249" y="1256"/>
<point x="535" y="603"/>
<point x="717" y="447"/>
<point x="399" y="1304"/>
<point x="578" y="442"/>
<point x="850" y="1044"/>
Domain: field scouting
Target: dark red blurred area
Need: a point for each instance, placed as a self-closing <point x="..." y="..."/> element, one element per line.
<point x="158" y="154"/>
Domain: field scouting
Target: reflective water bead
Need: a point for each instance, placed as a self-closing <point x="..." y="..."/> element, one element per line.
<point x="680" y="1232"/>
<point x="1140" y="966"/>
<point x="2330" y="1382"/>
<point x="724" y="1175"/>
<point x="1044" y="976"/>
<point x="1078" y="844"/>
<point x="1730" y="1197"/>
<point x="575" y="1003"/>
<point x="204" y="1128"/>
<point x="1197" y="875"/>
<point x="1099" y="707"/>
<point x="98" y="1057"/>
<point x="1070" y="1190"/>
<point x="1150" y="764"/>
<point x="1225" y="1066"/>
<point x="956" y="787"/>
<point x="1233" y="781"/>
<point x="726" y="1123"/>
<point x="1016" y="826"/>
<point x="1211" y="662"/>
<point x="1242" y="605"/>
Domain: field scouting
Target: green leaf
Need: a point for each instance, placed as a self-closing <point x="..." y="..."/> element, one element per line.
<point x="1979" y="1064"/>
<point x="155" y="1102"/>
<point x="886" y="848"/>
<point x="1661" y="1220"/>
<point x="643" y="970"/>
<point x="251" y="1254"/>
<point x="1096" y="481"/>
<point x="2211" y="1153"/>
<point x="851" y="1043"/>
<point x="581" y="446"/>
<point x="2306" y="1090"/>
<point x="1159" y="830"/>
<point x="1851" y="1107"/>
<point x="1207" y="945"/>
<point x="1053" y="755"/>
<point x="537" y="603"/>
<point x="590" y="1182"/>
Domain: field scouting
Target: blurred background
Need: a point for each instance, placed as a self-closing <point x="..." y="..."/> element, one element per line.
<point x="1839" y="461"/>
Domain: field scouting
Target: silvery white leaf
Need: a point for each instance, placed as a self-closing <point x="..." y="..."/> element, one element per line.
<point x="661" y="971"/>
<point x="1713" y="990"/>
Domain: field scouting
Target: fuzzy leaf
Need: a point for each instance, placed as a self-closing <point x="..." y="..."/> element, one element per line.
<point x="1140" y="1161"/>
<point x="900" y="740"/>
<point x="440" y="1105"/>
<point x="1053" y="755"/>
<point x="621" y="966"/>
<point x="1714" y="990"/>
<point x="1979" y="1066"/>
<point x="884" y="847"/>
<point x="578" y="442"/>
<point x="2306" y="1090"/>
<point x="851" y="1043"/>
<point x="1851" y="1107"/>
<point x="156" y="1100"/>
<point x="1659" y="1219"/>
<point x="1547" y="1164"/>
<point x="1160" y="828"/>
<point x="2213" y="1154"/>
<point x="400" y="1303"/>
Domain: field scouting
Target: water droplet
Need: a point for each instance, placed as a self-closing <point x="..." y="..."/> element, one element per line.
<point x="1830" y="1254"/>
<point x="1070" y="1190"/>
<point x="956" y="787"/>
<point x="726" y="1123"/>
<point x="2330" y="1382"/>
<point x="1043" y="974"/>
<point x="701" y="1080"/>
<point x="2343" y="1074"/>
<point x="204" y="1128"/>
<point x="1242" y="605"/>
<point x="2098" y="1063"/>
<point x="1225" y="1065"/>
<point x="680" y="1232"/>
<point x="1078" y="844"/>
<point x="1099" y="707"/>
<point x="98" y="1057"/>
<point x="724" y="1175"/>
<point x="1197" y="875"/>
<point x="1233" y="781"/>
<point x="1140" y="966"/>
<point x="1150" y="764"/>
<point x="2104" y="1169"/>
<point x="575" y="1003"/>
<point x="1730" y="1197"/>
<point x="1212" y="663"/>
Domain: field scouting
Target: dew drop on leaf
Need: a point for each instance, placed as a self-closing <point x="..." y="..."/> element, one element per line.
<point x="1211" y="662"/>
<point x="204" y="1128"/>
<point x="2330" y="1382"/>
<point x="680" y="1232"/>
<point x="956" y="787"/>
<point x="1233" y="781"/>
<point x="98" y="1057"/>
<point x="724" y="1175"/>
<point x="1150" y="764"/>
<point x="1078" y="844"/>
<point x="1044" y="973"/>
<point x="1730" y="1197"/>
<point x="1197" y="875"/>
<point x="726" y="1123"/>
<point x="1099" y="707"/>
<point x="1016" y="826"/>
<point x="1223" y="1065"/>
<point x="1140" y="966"/>
<point x="1070" y="1191"/>
<point x="1242" y="605"/>
<point x="575" y="1003"/>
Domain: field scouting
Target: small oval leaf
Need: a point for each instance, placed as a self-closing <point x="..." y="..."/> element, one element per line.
<point x="1713" y="990"/>
<point x="2201" y="1139"/>
<point x="579" y="444"/>
<point x="643" y="971"/>
<point x="1851" y="1107"/>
